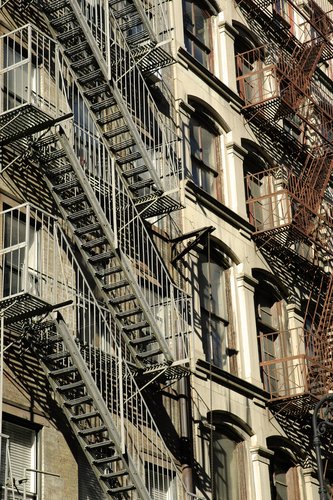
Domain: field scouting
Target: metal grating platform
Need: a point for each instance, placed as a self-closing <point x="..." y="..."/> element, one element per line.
<point x="22" y="121"/>
<point x="294" y="405"/>
<point x="22" y="306"/>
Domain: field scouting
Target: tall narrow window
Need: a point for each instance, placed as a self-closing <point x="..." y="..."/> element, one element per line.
<point x="197" y="31"/>
<point x="23" y="455"/>
<point x="214" y="314"/>
<point x="204" y="139"/>
<point x="284" y="478"/>
<point x="229" y="482"/>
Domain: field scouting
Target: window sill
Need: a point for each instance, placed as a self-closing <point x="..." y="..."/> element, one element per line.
<point x="211" y="80"/>
<point x="219" y="208"/>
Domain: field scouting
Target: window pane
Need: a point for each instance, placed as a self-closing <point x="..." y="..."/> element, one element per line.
<point x="199" y="24"/>
<point x="225" y="468"/>
<point x="208" y="147"/>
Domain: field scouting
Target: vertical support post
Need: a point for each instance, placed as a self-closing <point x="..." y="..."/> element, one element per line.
<point x="108" y="38"/>
<point x="2" y="333"/>
<point x="121" y="401"/>
<point x="57" y="74"/>
<point x="26" y="256"/>
<point x="114" y="203"/>
<point x="29" y="63"/>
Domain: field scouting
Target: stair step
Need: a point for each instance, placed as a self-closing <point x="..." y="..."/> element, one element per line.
<point x="65" y="186"/>
<point x="116" y="131"/>
<point x="76" y="49"/>
<point x="102" y="105"/>
<point x="135" y="171"/>
<point x="78" y="401"/>
<point x="137" y="38"/>
<point x="72" y="385"/>
<point x="141" y="184"/>
<point x="129" y="312"/>
<point x="79" y="231"/>
<point x="100" y="444"/>
<point x="111" y="117"/>
<point x="110" y="270"/>
<point x="90" y="77"/>
<point x="129" y="9"/>
<point x="106" y="460"/>
<point x="84" y="416"/>
<point x="148" y="354"/>
<point x="132" y="23"/>
<point x="92" y="430"/>
<point x="120" y="146"/>
<point x="54" y="155"/>
<point x="88" y="245"/>
<point x="122" y="299"/>
<point x="100" y="257"/>
<point x="54" y="339"/>
<point x="121" y="489"/>
<point x="135" y="326"/>
<point x="63" y="371"/>
<point x="58" y="355"/>
<point x="60" y="169"/>
<point x="114" y="286"/>
<point x="83" y="63"/>
<point x="70" y="34"/>
<point x="63" y="20"/>
<point x="56" y="5"/>
<point x="80" y="214"/>
<point x="142" y="340"/>
<point x="73" y="200"/>
<point x="128" y="158"/>
<point x="96" y="91"/>
<point x="112" y="475"/>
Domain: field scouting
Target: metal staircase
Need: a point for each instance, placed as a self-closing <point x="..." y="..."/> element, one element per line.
<point x="80" y="351"/>
<point x="149" y="310"/>
<point x="86" y="410"/>
<point x="142" y="140"/>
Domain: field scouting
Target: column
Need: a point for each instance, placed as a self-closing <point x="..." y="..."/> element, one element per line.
<point x="260" y="464"/>
<point x="234" y="178"/>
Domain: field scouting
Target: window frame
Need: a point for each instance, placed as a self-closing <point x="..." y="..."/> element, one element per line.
<point x="199" y="166"/>
<point x="192" y="40"/>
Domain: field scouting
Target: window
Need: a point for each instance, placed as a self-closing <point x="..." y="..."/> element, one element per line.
<point x="284" y="478"/>
<point x="197" y="31"/>
<point x="20" y="254"/>
<point x="228" y="472"/>
<point x="273" y="338"/>
<point x="214" y="314"/>
<point x="161" y="483"/>
<point x="23" y="455"/>
<point x="204" y="140"/>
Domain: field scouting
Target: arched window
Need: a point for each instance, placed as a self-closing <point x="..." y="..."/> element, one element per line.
<point x="273" y="336"/>
<point x="205" y="152"/>
<point x="197" y="31"/>
<point x="284" y="476"/>
<point x="218" y="336"/>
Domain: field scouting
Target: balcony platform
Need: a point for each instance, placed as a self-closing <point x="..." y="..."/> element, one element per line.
<point x="297" y="405"/>
<point x="23" y="121"/>
<point x="22" y="306"/>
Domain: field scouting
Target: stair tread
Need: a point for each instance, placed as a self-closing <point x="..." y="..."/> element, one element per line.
<point x="143" y="340"/>
<point x="111" y="475"/>
<point x="78" y="401"/>
<point x="63" y="20"/>
<point x="99" y="444"/>
<point x="63" y="371"/>
<point x="87" y="229"/>
<point x="83" y="416"/>
<point x="101" y="256"/>
<point x="67" y="35"/>
<point x="80" y="214"/>
<point x="114" y="286"/>
<point x="102" y="105"/>
<point x="135" y="171"/>
<point x="95" y="91"/>
<point x="148" y="354"/>
<point x="105" y="460"/>
<point x="128" y="158"/>
<point x="94" y="243"/>
<point x="136" y="326"/>
<point x="57" y="355"/>
<point x="72" y="385"/>
<point x="64" y="186"/>
<point x="108" y="271"/>
<point x="92" y="75"/>
<point x="141" y="184"/>
<point x="130" y="312"/>
<point x="109" y="134"/>
<point x="92" y="430"/>
<point x="122" y="298"/>
<point x="83" y="62"/>
<point x="73" y="199"/>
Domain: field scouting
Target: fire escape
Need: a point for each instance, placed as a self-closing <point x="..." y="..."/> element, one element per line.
<point x="110" y="166"/>
<point x="290" y="205"/>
